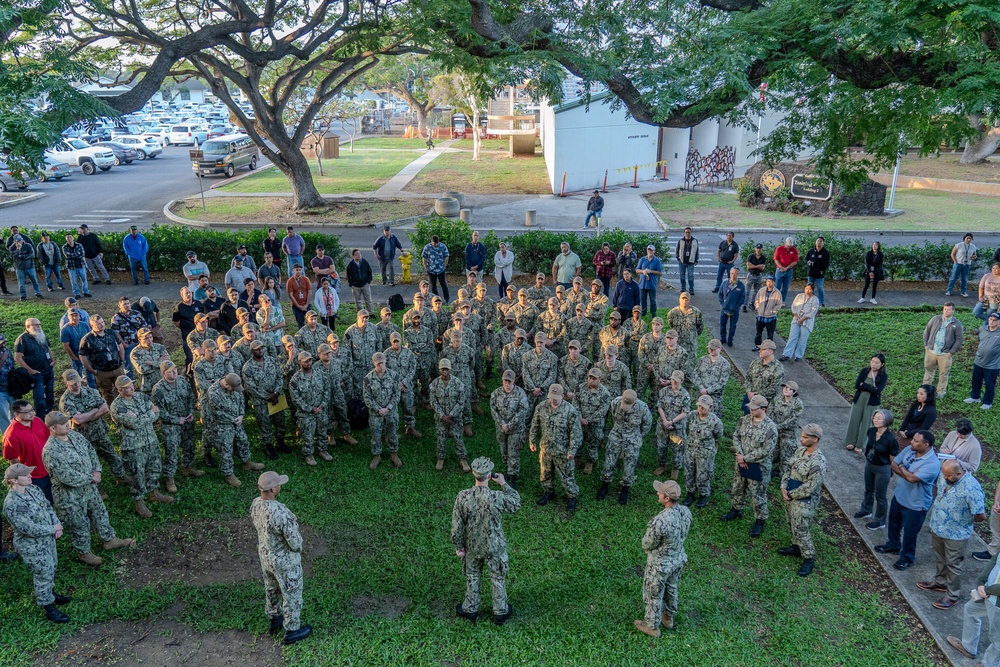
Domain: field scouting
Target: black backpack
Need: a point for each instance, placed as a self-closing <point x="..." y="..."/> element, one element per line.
<point x="396" y="303"/>
<point x="357" y="414"/>
<point x="19" y="383"/>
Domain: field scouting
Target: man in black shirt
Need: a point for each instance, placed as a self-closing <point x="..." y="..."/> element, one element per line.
<point x="213" y="304"/>
<point x="272" y="244"/>
<point x="93" y="254"/>
<point x="727" y="253"/>
<point x="151" y="313"/>
<point x="32" y="353"/>
<point x="756" y="263"/>
<point x="818" y="261"/>
<point x="103" y="354"/>
<point x="183" y="319"/>
<point x="251" y="296"/>
<point x="228" y="317"/>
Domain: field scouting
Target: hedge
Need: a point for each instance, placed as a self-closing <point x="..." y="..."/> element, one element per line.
<point x="168" y="245"/>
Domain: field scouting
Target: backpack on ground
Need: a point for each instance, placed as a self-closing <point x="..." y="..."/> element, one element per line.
<point x="357" y="414"/>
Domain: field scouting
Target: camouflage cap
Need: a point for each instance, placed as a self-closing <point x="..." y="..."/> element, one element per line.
<point x="223" y="338"/>
<point x="636" y="309"/>
<point x="54" y="418"/>
<point x="509" y="375"/>
<point x="256" y="345"/>
<point x="510" y="316"/>
<point x="596" y="373"/>
<point x="395" y="336"/>
<point x="791" y="384"/>
<point x="419" y="296"/>
<point x="677" y="375"/>
<point x="510" y="288"/>
<point x="575" y="343"/>
<point x="615" y="315"/>
<point x="17" y="470"/>
<point x="233" y="380"/>
<point x="757" y="401"/>
<point x="629" y="397"/>
<point x="556" y="391"/>
<point x="385" y="311"/>
<point x="540" y="337"/>
<point x="200" y="317"/>
<point x="378" y="357"/>
<point x="611" y="349"/>
<point x="481" y="287"/>
<point x="143" y="332"/>
<point x="768" y="345"/>
<point x="423" y="283"/>
<point x="684" y="295"/>
<point x="715" y="344"/>
<point x="444" y="363"/>
<point x="166" y="365"/>
<point x="122" y="381"/>
<point x="521" y="333"/>
<point x="657" y="320"/>
<point x="287" y="340"/>
<point x="364" y="313"/>
<point x="243" y="311"/>
<point x="669" y="488"/>
<point x="522" y="291"/>
<point x="270" y="479"/>
<point x="560" y="288"/>
<point x="70" y="376"/>
<point x="437" y="299"/>
<point x="672" y="333"/>
<point x="482" y="467"/>
<point x="210" y="345"/>
<point x="815" y="430"/>
<point x="333" y="337"/>
<point x="578" y="279"/>
<point x="597" y="282"/>
<point x="311" y="315"/>
<point x="579" y="307"/>
<point x="323" y="348"/>
<point x="706" y="400"/>
<point x="249" y="326"/>
<point x="305" y="355"/>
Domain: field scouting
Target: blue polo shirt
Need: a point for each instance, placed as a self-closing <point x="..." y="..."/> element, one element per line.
<point x="73" y="335"/>
<point x="917" y="495"/>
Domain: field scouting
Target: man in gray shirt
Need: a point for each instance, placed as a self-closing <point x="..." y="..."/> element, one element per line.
<point x="986" y="365"/>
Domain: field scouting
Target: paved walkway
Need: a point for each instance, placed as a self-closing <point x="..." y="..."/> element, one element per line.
<point x="396" y="184"/>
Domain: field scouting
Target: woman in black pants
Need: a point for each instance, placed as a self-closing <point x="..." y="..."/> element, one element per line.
<point x="868" y="388"/>
<point x="921" y="415"/>
<point x="873" y="271"/>
<point x="879" y="451"/>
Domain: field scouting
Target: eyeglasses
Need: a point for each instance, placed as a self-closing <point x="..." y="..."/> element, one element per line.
<point x="28" y="411"/>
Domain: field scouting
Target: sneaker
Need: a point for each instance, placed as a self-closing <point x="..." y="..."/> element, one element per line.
<point x="861" y="514"/>
<point x="947" y="293"/>
<point x="982" y="555"/>
<point x="861" y="300"/>
<point x="971" y="400"/>
<point x="873" y="301"/>
<point x="965" y="294"/>
<point x="985" y="406"/>
<point x="875" y="525"/>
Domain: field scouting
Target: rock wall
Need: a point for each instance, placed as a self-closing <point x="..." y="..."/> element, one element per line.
<point x="867" y="201"/>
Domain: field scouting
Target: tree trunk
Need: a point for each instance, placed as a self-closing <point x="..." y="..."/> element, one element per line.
<point x="477" y="140"/>
<point x="977" y="152"/>
<point x="421" y="118"/>
<point x="293" y="164"/>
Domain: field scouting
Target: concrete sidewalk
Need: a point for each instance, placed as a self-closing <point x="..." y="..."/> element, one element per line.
<point x="396" y="184"/>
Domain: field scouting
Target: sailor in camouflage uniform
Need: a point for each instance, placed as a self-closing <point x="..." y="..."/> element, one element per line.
<point x="686" y="320"/>
<point x="401" y="361"/>
<point x="646" y="356"/>
<point x="201" y="333"/>
<point x="475" y="337"/>
<point x="509" y="408"/>
<point x="227" y="412"/>
<point x="262" y="381"/>
<point x="504" y="305"/>
<point x="421" y="307"/>
<point x="540" y="370"/>
<point x="672" y="406"/>
<point x="635" y="329"/>
<point x="36" y="529"/>
<point x="573" y="369"/>
<point x="208" y="369"/>
<point x="665" y="559"/>
<point x="135" y="415"/>
<point x="478" y="537"/>
<point x="75" y="473"/>
<point x="505" y="334"/>
<point x="613" y="334"/>
<point x="754" y="438"/>
<point x="553" y="325"/>
<point x="441" y="316"/>
<point x="289" y="361"/>
<point x="711" y="375"/>
<point x="539" y="295"/>
<point x="420" y="341"/>
<point x="336" y="365"/>
<point x="576" y="295"/>
<point x="86" y="409"/>
<point x="241" y="348"/>
<point x="484" y="306"/>
<point x="556" y="435"/>
<point x="615" y="375"/>
<point x="145" y="359"/>
<point x="173" y="396"/>
<point x="525" y="312"/>
<point x="384" y="328"/>
<point x="309" y="392"/>
<point x="312" y="335"/>
<point x="380" y="389"/>
<point x="361" y="342"/>
<point x="672" y="358"/>
<point x="597" y="311"/>
<point x="801" y="486"/>
<point x="578" y="327"/>
<point x="279" y="545"/>
<point x="593" y="400"/>
<point x="704" y="429"/>
<point x="785" y="411"/>
<point x="448" y="398"/>
<point x="460" y="355"/>
<point x="630" y="422"/>
<point x="512" y="355"/>
<point x="765" y="375"/>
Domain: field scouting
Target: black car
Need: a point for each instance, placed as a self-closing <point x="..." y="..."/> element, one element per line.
<point x="124" y="154"/>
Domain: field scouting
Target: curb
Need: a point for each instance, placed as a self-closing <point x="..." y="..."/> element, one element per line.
<point x="23" y="200"/>
<point x="238" y="177"/>
<point x="180" y="220"/>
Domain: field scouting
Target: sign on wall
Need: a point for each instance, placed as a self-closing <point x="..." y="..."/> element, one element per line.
<point x="811" y="186"/>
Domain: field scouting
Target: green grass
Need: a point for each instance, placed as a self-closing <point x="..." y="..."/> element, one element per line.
<point x="575" y="581"/>
<point x="493" y="174"/>
<point x="925" y="209"/>
<point x="388" y="143"/>
<point x="488" y="144"/>
<point x="360" y="171"/>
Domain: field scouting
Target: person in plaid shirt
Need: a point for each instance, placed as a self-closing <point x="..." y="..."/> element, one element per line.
<point x="604" y="263"/>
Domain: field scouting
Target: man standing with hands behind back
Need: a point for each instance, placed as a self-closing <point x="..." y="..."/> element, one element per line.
<point x="385" y="248"/>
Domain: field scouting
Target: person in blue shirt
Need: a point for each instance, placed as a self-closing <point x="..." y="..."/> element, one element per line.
<point x="385" y="248"/>
<point x="70" y="335"/>
<point x="135" y="246"/>
<point x="732" y="296"/>
<point x="475" y="255"/>
<point x="649" y="269"/>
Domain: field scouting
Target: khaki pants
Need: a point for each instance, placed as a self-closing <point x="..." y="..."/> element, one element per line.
<point x="948" y="558"/>
<point x="940" y="363"/>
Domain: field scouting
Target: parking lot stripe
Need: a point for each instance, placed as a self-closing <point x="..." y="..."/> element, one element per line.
<point x="102" y="210"/>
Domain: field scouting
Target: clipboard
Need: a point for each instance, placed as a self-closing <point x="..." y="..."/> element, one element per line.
<point x="752" y="471"/>
<point x="282" y="404"/>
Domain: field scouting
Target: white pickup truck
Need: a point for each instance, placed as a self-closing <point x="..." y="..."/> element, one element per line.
<point x="81" y="154"/>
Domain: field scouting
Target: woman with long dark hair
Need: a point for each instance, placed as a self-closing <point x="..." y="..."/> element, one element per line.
<point x="868" y="388"/>
<point x="873" y="271"/>
<point x="921" y="415"/>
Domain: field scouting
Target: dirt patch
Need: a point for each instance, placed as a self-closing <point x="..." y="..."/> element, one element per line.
<point x="349" y="211"/>
<point x="206" y="552"/>
<point x="389" y="607"/>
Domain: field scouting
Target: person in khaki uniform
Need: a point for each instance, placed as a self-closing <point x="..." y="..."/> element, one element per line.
<point x="754" y="438"/>
<point x="704" y="429"/>
<point x="801" y="486"/>
<point x="593" y="401"/>
<point x="631" y="421"/>
<point x="448" y="397"/>
<point x="556" y="435"/>
<point x="509" y="409"/>
<point x="673" y="404"/>
<point x="380" y="390"/>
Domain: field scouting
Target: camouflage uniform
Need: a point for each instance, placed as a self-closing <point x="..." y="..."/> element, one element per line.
<point x="335" y="410"/>
<point x="475" y="336"/>
<point x="669" y="361"/>
<point x="539" y="297"/>
<point x="503" y="306"/>
<point x="175" y="402"/>
<point x="208" y="373"/>
<point x="635" y="332"/>
<point x="511" y="359"/>
<point x="554" y="326"/>
<point x="765" y="380"/>
<point x="581" y="329"/>
<point x="646" y="354"/>
<point x="427" y="316"/>
<point x="616" y="379"/>
<point x="688" y="327"/>
<point x="810" y="470"/>
<point x="504" y="337"/>
<point x="71" y="465"/>
<point x="241" y="351"/>
<point x="558" y="434"/>
<point x="713" y="377"/>
<point x="309" y="340"/>
<point x="309" y="391"/>
<point x="785" y="415"/>
<point x="477" y="529"/>
<point x="597" y="312"/>
<point x="665" y="559"/>
<point x="449" y="398"/>
<point x="421" y="343"/>
<point x="461" y="365"/>
<point x="404" y="365"/>
<point x="525" y="317"/>
<point x="196" y="338"/>
<point x="673" y="404"/>
<point x="279" y="544"/>
<point x="34" y="522"/>
<point x="608" y="336"/>
<point x="440" y="319"/>
<point x="289" y="367"/>
<point x="594" y="403"/>
<point x="486" y="309"/>
<point x="382" y="391"/>
<point x="510" y="410"/>
<point x="361" y="344"/>
<point x="756" y="442"/>
<point x="146" y="366"/>
<point x="140" y="448"/>
<point x="573" y="374"/>
<point x="628" y="428"/>
<point x="574" y="297"/>
<point x="699" y="452"/>
<point x="540" y="371"/>
<point x="227" y="406"/>
<point x="384" y="331"/>
<point x="96" y="432"/>
<point x="260" y="380"/>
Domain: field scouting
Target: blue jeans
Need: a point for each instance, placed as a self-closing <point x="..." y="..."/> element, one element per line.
<point x="990" y="376"/>
<point x="817" y="284"/>
<point x="723" y="273"/>
<point x="134" y="265"/>
<point x="292" y="261"/>
<point x="798" y="336"/>
<point x="84" y="373"/>
<point x="78" y="281"/>
<point x="982" y="312"/>
<point x="908" y="522"/>
<point x="727" y="324"/>
<point x="959" y="271"/>
<point x="649" y="294"/>
<point x="592" y="214"/>
<point x="687" y="277"/>
<point x="6" y="414"/>
<point x="42" y="392"/>
<point x="783" y="280"/>
<point x="22" y="281"/>
<point x="51" y="271"/>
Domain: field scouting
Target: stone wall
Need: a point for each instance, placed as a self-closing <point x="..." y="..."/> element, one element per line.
<point x="867" y="201"/>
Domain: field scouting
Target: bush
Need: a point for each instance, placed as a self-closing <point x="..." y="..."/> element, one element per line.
<point x="453" y="232"/>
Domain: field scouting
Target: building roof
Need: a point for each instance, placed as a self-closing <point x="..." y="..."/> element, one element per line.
<point x="581" y="101"/>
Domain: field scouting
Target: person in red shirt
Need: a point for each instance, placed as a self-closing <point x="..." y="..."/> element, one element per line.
<point x="23" y="442"/>
<point x="604" y="265"/>
<point x="299" y="290"/>
<point x="785" y="258"/>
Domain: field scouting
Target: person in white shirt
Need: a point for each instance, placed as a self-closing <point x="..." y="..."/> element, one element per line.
<point x="804" y="309"/>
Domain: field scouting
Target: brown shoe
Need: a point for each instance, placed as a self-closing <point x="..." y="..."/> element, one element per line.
<point x="170" y="485"/>
<point x="349" y="439"/>
<point x="325" y="456"/>
<point x="477" y="410"/>
<point x="464" y="465"/>
<point x="467" y="430"/>
<point x="588" y="468"/>
<point x="231" y="480"/>
<point x="673" y="473"/>
<point x="439" y="465"/>
<point x="956" y="644"/>
<point x="666" y="621"/>
<point x="659" y="471"/>
<point x="251" y="465"/>
<point x="311" y="460"/>
<point x="102" y="493"/>
<point x="414" y="432"/>
<point x="646" y="630"/>
<point x="125" y="480"/>
<point x="142" y="510"/>
<point x="932" y="586"/>
<point x="118" y="543"/>
<point x="90" y="559"/>
<point x="945" y="603"/>
<point x="395" y="460"/>
<point x="158" y="497"/>
<point x="375" y="461"/>
<point x="192" y="472"/>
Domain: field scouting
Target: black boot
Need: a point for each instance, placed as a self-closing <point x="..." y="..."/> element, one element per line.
<point x="792" y="550"/>
<point x="62" y="599"/>
<point x="512" y="480"/>
<point x="7" y="556"/>
<point x="732" y="514"/>
<point x="571" y="504"/>
<point x="807" y="567"/>
<point x="277" y="623"/>
<point x="502" y="618"/>
<point x="464" y="614"/>
<point x="210" y="461"/>
<point x="702" y="502"/>
<point x="283" y="448"/>
<point x="303" y="632"/>
<point x="757" y="529"/>
<point x="545" y="498"/>
<point x="53" y="614"/>
<point x="603" y="491"/>
<point x="623" y="496"/>
<point x="269" y="453"/>
<point x="688" y="499"/>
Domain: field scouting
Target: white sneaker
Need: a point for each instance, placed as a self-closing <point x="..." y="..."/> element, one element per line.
<point x="971" y="400"/>
<point x="985" y="406"/>
<point x="873" y="301"/>
<point x="861" y="300"/>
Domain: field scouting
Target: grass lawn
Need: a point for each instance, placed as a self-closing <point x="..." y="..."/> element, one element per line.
<point x="947" y="166"/>
<point x="488" y="144"/>
<point x="360" y="171"/>
<point x="274" y="209"/>
<point x="493" y="174"/>
<point x="388" y="143"/>
<point x="575" y="581"/>
<point x="925" y="209"/>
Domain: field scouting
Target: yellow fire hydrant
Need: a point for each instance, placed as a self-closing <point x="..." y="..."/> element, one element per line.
<point x="406" y="260"/>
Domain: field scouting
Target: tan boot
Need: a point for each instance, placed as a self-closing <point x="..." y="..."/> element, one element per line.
<point x="468" y="430"/>
<point x="90" y="559"/>
<point x="125" y="480"/>
<point x="659" y="471"/>
<point x="192" y="472"/>
<point x="479" y="384"/>
<point x="646" y="630"/>
<point x="158" y="497"/>
<point x="231" y="480"/>
<point x="311" y="460"/>
<point x="588" y="468"/>
<point x="170" y="485"/>
<point x="103" y="493"/>
<point x="396" y="463"/>
<point x="477" y="410"/>
<point x="439" y="465"/>
<point x="666" y="621"/>
<point x="349" y="439"/>
<point x="673" y="473"/>
<point x="251" y="465"/>
<point x="464" y="465"/>
<point x="375" y="461"/>
<point x="118" y="543"/>
<point x="142" y="510"/>
<point x="414" y="432"/>
<point x="325" y="456"/>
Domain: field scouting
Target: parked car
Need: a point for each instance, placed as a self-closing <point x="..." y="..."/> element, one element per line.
<point x="8" y="181"/>
<point x="219" y="131"/>
<point x="192" y="135"/>
<point x="224" y="155"/>
<point x="128" y="130"/>
<point x="80" y="154"/>
<point x="124" y="154"/>
<point x="145" y="147"/>
<point x="159" y="132"/>
<point x="99" y="133"/>
<point x="53" y="169"/>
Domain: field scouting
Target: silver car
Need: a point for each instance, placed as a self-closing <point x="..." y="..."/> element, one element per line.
<point x="54" y="170"/>
<point x="145" y="147"/>
<point x="8" y="181"/>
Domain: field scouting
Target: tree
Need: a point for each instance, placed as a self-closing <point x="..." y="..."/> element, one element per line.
<point x="469" y="94"/>
<point x="409" y="77"/>
<point x="985" y="144"/>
